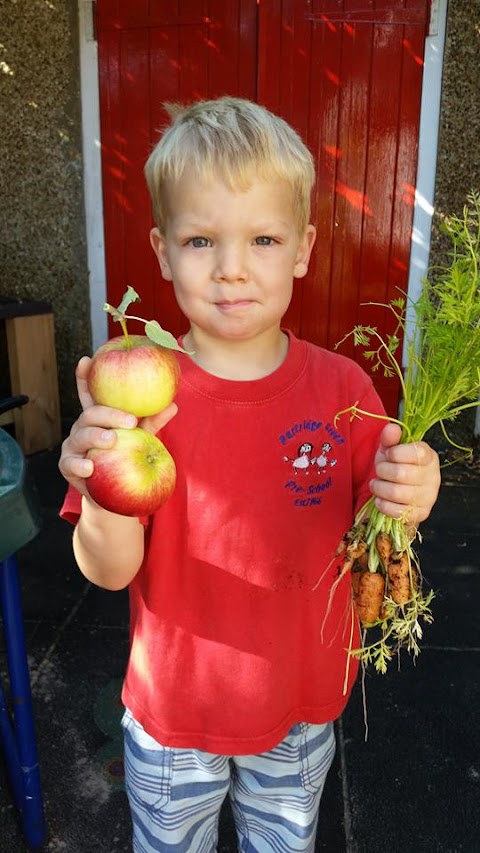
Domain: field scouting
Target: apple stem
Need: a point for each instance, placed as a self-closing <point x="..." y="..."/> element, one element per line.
<point x="124" y="329"/>
<point x="132" y="317"/>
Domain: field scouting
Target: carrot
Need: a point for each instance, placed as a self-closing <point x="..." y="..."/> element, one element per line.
<point x="401" y="576"/>
<point x="351" y="548"/>
<point x="384" y="547"/>
<point x="357" y="549"/>
<point x="356" y="575"/>
<point x="347" y="548"/>
<point x="362" y="560"/>
<point x="341" y="547"/>
<point x="353" y="552"/>
<point x="345" y="566"/>
<point x="368" y="591"/>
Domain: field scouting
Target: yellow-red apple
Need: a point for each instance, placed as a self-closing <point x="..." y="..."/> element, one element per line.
<point x="134" y="477"/>
<point x="134" y="374"/>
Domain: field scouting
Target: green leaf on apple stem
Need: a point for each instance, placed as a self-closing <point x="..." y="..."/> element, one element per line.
<point x="153" y="330"/>
<point x="159" y="336"/>
<point x="129" y="296"/>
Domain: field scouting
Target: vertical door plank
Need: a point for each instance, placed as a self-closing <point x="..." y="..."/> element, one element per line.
<point x="135" y="114"/>
<point x="113" y="158"/>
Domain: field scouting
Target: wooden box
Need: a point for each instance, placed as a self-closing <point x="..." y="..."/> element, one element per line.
<point x="32" y="370"/>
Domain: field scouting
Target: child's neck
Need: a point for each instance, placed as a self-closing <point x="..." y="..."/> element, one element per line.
<point x="238" y="360"/>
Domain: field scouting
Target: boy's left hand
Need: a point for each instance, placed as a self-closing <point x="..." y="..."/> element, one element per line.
<point x="408" y="477"/>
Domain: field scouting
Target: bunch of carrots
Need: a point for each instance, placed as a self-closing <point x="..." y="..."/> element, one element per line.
<point x="440" y="380"/>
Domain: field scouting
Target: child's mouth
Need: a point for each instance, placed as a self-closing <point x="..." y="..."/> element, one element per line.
<point x="234" y="305"/>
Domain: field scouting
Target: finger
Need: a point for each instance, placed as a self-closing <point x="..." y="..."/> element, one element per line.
<point x="89" y="438"/>
<point x="410" y="503"/>
<point x="156" y="422"/>
<point x="413" y="453"/>
<point x="73" y="464"/>
<point x="395" y="491"/>
<point x="410" y="513"/>
<point x="392" y="497"/>
<point x="103" y="417"/>
<point x="390" y="436"/>
<point x="95" y="428"/>
<point x="397" y="510"/>
<point x="81" y="373"/>
<point x="404" y="474"/>
<point x="75" y="469"/>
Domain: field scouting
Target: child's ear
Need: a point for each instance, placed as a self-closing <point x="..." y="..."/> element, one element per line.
<point x="157" y="242"/>
<point x="304" y="251"/>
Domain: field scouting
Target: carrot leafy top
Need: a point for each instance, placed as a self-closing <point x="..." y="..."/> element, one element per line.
<point x="442" y="373"/>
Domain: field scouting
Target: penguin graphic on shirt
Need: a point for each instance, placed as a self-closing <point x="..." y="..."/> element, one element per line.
<point x="323" y="461"/>
<point x="302" y="462"/>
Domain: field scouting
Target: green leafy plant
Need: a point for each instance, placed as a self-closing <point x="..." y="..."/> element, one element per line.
<point x="441" y="379"/>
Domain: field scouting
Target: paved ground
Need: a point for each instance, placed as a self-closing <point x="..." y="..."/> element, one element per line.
<point x="413" y="786"/>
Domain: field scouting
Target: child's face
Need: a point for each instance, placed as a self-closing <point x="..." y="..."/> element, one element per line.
<point x="232" y="255"/>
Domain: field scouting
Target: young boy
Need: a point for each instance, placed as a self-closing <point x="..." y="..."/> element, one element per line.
<point x="231" y="686"/>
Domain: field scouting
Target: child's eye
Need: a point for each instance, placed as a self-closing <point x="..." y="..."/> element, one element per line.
<point x="264" y="241"/>
<point x="199" y="242"/>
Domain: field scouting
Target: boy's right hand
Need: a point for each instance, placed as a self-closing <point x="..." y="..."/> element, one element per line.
<point x="94" y="428"/>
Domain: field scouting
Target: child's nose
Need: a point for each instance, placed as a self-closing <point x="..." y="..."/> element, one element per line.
<point x="231" y="264"/>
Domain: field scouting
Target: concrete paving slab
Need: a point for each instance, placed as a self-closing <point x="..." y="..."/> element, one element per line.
<point x="413" y="786"/>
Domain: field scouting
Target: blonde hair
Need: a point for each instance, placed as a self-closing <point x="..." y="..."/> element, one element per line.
<point x="236" y="139"/>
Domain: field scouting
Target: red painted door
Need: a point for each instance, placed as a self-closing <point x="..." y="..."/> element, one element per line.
<point x="346" y="74"/>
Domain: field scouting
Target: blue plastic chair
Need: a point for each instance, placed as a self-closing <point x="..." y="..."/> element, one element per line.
<point x="19" y="523"/>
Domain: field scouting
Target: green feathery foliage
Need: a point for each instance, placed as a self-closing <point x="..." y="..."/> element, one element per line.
<point x="441" y="379"/>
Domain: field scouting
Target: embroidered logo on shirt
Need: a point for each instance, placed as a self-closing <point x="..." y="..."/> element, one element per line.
<point x="310" y="472"/>
<point x="304" y="460"/>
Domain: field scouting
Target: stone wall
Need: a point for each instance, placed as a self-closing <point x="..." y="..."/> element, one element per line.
<point x="42" y="243"/>
<point x="458" y="164"/>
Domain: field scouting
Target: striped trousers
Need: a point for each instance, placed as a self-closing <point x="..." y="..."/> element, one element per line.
<point x="175" y="795"/>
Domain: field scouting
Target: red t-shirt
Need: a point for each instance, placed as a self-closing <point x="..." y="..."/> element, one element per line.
<point x="227" y="651"/>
